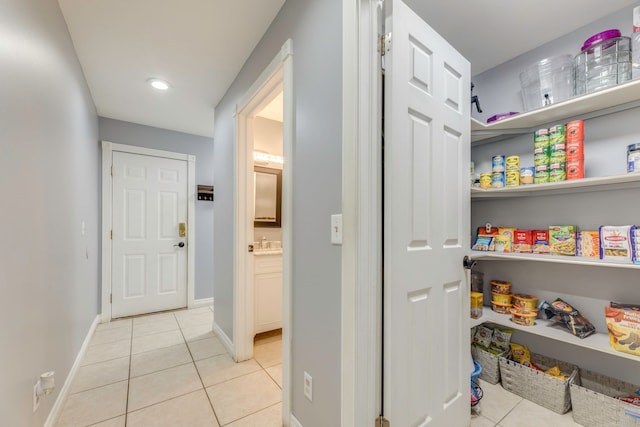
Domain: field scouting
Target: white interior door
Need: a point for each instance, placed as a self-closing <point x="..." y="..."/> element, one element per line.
<point x="426" y="366"/>
<point x="149" y="268"/>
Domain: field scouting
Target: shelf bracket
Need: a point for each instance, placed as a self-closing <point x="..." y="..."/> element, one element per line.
<point x="468" y="263"/>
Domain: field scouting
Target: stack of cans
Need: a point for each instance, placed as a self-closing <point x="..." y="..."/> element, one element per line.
<point x="541" y="156"/>
<point x="575" y="149"/>
<point x="512" y="173"/>
<point x="557" y="154"/>
<point x="497" y="172"/>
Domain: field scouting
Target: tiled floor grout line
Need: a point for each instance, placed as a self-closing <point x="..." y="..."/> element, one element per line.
<point x="199" y="376"/>
<point x="126" y="408"/>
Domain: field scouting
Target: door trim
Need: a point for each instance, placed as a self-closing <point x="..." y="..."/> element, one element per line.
<point x="362" y="214"/>
<point x="278" y="74"/>
<point x="107" y="219"/>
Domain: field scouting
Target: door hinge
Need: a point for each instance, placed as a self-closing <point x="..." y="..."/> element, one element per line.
<point x="111" y="170"/>
<point x="111" y="234"/>
<point x="382" y="422"/>
<point x="110" y="298"/>
<point x="384" y="43"/>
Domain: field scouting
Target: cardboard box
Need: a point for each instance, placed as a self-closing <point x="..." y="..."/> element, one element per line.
<point x="523" y="241"/>
<point x="540" y="241"/>
<point x="562" y="240"/>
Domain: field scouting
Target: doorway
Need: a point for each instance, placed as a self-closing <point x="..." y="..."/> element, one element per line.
<point x="274" y="83"/>
<point x="148" y="220"/>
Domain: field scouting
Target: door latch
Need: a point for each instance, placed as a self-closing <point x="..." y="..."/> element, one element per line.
<point x="468" y="263"/>
<point x="250" y="248"/>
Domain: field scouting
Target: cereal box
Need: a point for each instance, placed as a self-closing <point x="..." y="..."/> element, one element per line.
<point x="522" y="241"/>
<point x="615" y="243"/>
<point x="540" y="240"/>
<point x="562" y="240"/>
<point x="507" y="231"/>
<point x="588" y="243"/>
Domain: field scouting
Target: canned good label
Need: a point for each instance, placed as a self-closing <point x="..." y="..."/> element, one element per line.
<point x="575" y="130"/>
<point x="558" y="147"/>
<point x="513" y="163"/>
<point x="575" y="149"/>
<point x="558" y="157"/>
<point x="542" y="150"/>
<point x="513" y="178"/>
<point x="541" y="159"/>
<point x="558" y="174"/>
<point x="541" y="138"/>
<point x="575" y="169"/>
<point x="541" y="178"/>
<point x="526" y="175"/>
<point x="497" y="180"/>
<point x="497" y="163"/>
<point x="485" y="180"/>
<point x="557" y="135"/>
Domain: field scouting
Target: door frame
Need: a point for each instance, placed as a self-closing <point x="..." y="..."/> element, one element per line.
<point x="107" y="217"/>
<point x="278" y="75"/>
<point x="361" y="380"/>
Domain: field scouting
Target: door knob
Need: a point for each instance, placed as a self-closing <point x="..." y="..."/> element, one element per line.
<point x="181" y="244"/>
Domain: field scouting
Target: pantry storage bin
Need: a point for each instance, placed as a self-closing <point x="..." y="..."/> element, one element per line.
<point x="489" y="362"/>
<point x="547" y="82"/>
<point x="551" y="392"/>
<point x="594" y="404"/>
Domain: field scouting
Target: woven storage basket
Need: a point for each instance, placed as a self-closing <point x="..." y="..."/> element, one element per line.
<point x="592" y="399"/>
<point x="489" y="362"/>
<point x="538" y="387"/>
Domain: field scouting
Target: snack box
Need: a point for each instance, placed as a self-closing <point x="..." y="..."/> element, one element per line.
<point x="522" y="241"/>
<point x="562" y="240"/>
<point x="502" y="243"/>
<point x="616" y="244"/>
<point x="623" y="324"/>
<point x="540" y="241"/>
<point x="588" y="244"/>
<point x="507" y="231"/>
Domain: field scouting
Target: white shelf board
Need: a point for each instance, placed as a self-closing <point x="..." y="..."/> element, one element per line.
<point x="558" y="259"/>
<point x="614" y="97"/>
<point x="601" y="183"/>
<point x="598" y="341"/>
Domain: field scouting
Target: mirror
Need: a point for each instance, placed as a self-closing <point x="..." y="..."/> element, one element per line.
<point x="267" y="197"/>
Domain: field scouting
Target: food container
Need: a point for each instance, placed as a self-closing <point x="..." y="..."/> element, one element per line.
<point x="547" y="82"/>
<point x="500" y="308"/>
<point x="575" y="169"/>
<point x="485" y="180"/>
<point x="500" y="287"/>
<point x="524" y="302"/>
<point x="498" y="164"/>
<point x="526" y="175"/>
<point x="523" y="317"/>
<point x="477" y="281"/>
<point x="498" y="180"/>
<point x="604" y="61"/>
<point x="503" y="299"/>
<point x="513" y="163"/>
<point x="633" y="158"/>
<point x="476" y="305"/>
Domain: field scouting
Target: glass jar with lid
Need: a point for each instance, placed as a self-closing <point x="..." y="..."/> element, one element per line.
<point x="604" y="61"/>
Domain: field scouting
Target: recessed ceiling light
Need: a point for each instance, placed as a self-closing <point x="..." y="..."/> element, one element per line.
<point x="158" y="84"/>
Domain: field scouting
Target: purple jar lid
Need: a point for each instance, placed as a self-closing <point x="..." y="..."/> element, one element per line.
<point x="501" y="116"/>
<point x="608" y="34"/>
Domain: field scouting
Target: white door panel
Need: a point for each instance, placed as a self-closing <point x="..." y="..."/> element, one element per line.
<point x="149" y="201"/>
<point x="426" y="226"/>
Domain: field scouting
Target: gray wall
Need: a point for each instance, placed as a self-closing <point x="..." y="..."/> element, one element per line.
<point x="49" y="186"/>
<point x="202" y="147"/>
<point x="315" y="28"/>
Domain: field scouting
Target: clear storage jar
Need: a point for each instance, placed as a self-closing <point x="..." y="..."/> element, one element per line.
<point x="547" y="82"/>
<point x="604" y="61"/>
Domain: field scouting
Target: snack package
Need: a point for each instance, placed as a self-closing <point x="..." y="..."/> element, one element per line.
<point x="522" y="241"/>
<point x="482" y="243"/>
<point x="521" y="354"/>
<point x="633" y="399"/>
<point x="502" y="243"/>
<point x="572" y="319"/>
<point x="501" y="339"/>
<point x="555" y="372"/>
<point x="623" y="324"/>
<point x="562" y="240"/>
<point x="490" y="231"/>
<point x="588" y="244"/>
<point x="507" y="231"/>
<point x="616" y="243"/>
<point x="540" y="241"/>
<point x="483" y="336"/>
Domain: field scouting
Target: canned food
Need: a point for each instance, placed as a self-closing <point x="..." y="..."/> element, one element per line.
<point x="541" y="159"/>
<point x="497" y="164"/>
<point x="526" y="175"/>
<point x="557" y="135"/>
<point x="575" y="169"/>
<point x="485" y="180"/>
<point x="512" y="178"/>
<point x="557" y="172"/>
<point x="558" y="156"/>
<point x="513" y="163"/>
<point x="575" y="149"/>
<point x="541" y="138"/>
<point x="497" y="180"/>
<point x="541" y="175"/>
<point x="575" y="130"/>
<point x="633" y="158"/>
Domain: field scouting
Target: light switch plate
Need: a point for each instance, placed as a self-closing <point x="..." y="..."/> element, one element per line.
<point x="336" y="229"/>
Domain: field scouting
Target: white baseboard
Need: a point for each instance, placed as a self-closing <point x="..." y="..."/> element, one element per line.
<point x="226" y="341"/>
<point x="201" y="302"/>
<point x="56" y="410"/>
<point x="295" y="422"/>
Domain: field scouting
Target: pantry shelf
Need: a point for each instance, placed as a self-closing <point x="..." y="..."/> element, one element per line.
<point x="493" y="256"/>
<point x="602" y="183"/>
<point x="618" y="98"/>
<point x="549" y="329"/>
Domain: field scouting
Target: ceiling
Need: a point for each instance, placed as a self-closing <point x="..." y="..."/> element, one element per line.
<point x="199" y="46"/>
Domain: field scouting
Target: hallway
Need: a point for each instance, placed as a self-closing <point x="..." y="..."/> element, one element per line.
<point x="170" y="369"/>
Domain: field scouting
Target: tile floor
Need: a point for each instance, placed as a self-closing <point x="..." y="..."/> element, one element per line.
<point x="170" y="369"/>
<point x="501" y="408"/>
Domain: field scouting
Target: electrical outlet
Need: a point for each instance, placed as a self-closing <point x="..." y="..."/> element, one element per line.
<point x="308" y="386"/>
<point x="36" y="398"/>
